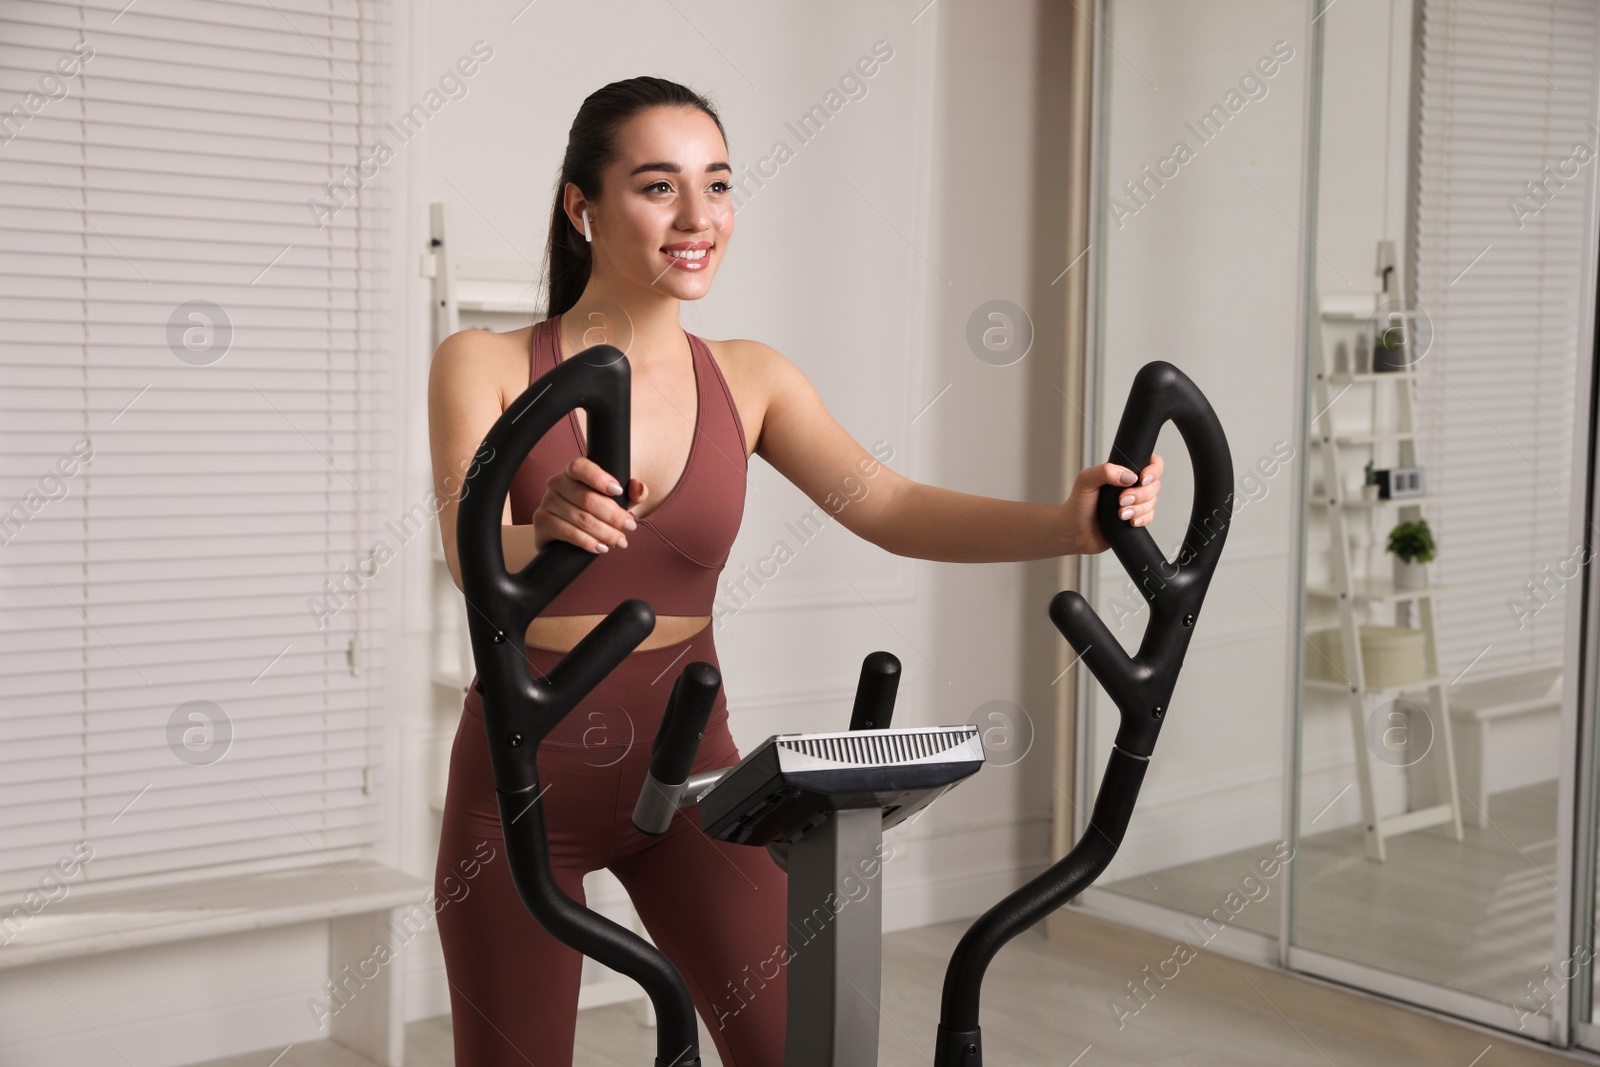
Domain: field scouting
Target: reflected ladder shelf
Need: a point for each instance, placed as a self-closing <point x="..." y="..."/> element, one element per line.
<point x="1353" y="595"/>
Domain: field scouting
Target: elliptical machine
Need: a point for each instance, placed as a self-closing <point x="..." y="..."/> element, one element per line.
<point x="818" y="802"/>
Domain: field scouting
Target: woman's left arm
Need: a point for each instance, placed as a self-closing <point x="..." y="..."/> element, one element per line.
<point x="808" y="446"/>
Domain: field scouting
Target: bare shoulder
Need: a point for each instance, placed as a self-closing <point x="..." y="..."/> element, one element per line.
<point x="757" y="374"/>
<point x="480" y="359"/>
<point x="755" y="365"/>
<point x="474" y="374"/>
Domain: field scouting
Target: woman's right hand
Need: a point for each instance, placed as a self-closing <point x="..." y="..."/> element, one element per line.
<point x="577" y="508"/>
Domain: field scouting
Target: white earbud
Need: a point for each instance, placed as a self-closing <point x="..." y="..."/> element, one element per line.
<point x="587" y="236"/>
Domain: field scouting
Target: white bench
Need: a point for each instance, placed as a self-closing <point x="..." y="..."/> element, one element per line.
<point x="362" y="902"/>
<point x="1478" y="705"/>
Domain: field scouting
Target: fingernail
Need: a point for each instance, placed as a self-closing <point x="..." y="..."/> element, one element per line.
<point x="1128" y="477"/>
<point x="602" y="547"/>
<point x="629" y="524"/>
<point x="1145" y="480"/>
<point x="1126" y="500"/>
<point x="1126" y="513"/>
<point x="613" y="488"/>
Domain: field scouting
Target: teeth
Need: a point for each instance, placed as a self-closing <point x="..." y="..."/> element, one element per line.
<point x="698" y="253"/>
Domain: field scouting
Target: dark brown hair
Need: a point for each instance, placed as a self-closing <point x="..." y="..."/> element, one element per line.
<point x="591" y="147"/>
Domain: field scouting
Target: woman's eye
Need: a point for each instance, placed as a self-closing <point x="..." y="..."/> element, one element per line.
<point x="663" y="183"/>
<point x="721" y="186"/>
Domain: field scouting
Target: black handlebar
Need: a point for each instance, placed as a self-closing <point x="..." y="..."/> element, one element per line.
<point x="520" y="711"/>
<point x="500" y="605"/>
<point x="1140" y="686"/>
<point x="682" y="727"/>
<point x="875" y="692"/>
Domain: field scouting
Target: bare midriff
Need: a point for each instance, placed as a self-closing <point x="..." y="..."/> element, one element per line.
<point x="561" y="632"/>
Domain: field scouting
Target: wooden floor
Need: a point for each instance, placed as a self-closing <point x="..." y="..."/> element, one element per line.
<point x="1476" y="915"/>
<point x="1047" y="1001"/>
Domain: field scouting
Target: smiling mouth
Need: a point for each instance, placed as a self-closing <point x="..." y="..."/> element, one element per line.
<point x="690" y="255"/>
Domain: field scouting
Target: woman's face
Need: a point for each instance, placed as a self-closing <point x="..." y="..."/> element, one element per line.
<point x="664" y="216"/>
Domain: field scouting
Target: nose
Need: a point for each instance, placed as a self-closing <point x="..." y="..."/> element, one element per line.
<point x="698" y="211"/>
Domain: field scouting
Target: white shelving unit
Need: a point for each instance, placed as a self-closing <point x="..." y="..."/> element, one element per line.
<point x="1355" y="595"/>
<point x="484" y="289"/>
<point x="497" y="294"/>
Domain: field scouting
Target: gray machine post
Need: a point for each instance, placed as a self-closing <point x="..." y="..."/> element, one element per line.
<point x="835" y="976"/>
<point x="835" y="962"/>
<point x="820" y="803"/>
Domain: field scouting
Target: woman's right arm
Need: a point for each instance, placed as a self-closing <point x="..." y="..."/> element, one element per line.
<point x="464" y="400"/>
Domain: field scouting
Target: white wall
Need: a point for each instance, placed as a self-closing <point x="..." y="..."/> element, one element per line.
<point x="1204" y="271"/>
<point x="1365" y="130"/>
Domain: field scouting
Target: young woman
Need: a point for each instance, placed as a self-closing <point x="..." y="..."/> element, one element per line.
<point x="641" y="221"/>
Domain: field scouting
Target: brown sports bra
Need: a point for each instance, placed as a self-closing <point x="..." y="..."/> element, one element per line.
<point x="674" y="558"/>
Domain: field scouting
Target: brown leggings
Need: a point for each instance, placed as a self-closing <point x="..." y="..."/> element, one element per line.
<point x="718" y="911"/>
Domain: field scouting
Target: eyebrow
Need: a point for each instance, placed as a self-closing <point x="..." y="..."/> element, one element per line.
<point x="673" y="168"/>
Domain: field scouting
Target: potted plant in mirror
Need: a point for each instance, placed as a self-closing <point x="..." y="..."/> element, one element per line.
<point x="1389" y="346"/>
<point x="1413" y="548"/>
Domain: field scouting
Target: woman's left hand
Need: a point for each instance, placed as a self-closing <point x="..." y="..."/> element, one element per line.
<point x="1137" y="505"/>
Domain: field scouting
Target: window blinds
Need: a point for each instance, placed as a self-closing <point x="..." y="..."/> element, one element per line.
<point x="192" y="431"/>
<point x="1502" y="103"/>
